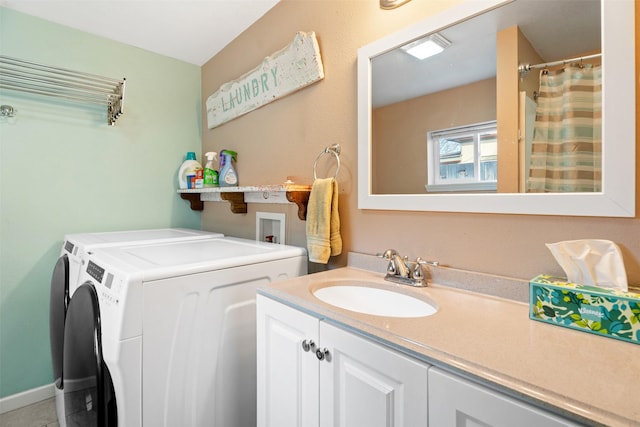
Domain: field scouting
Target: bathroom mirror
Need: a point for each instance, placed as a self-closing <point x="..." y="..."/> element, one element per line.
<point x="504" y="32"/>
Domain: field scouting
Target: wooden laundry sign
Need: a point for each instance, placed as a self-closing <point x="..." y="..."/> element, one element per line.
<point x="296" y="66"/>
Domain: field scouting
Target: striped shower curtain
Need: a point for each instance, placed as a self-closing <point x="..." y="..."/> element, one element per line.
<point x="566" y="153"/>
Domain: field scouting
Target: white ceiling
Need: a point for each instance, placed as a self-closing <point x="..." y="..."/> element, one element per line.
<point x="190" y="30"/>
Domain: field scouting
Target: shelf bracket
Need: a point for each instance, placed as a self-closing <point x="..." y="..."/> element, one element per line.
<point x="300" y="198"/>
<point x="238" y="204"/>
<point x="194" y="200"/>
<point x="238" y="197"/>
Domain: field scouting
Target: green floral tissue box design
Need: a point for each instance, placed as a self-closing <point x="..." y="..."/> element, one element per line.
<point x="601" y="311"/>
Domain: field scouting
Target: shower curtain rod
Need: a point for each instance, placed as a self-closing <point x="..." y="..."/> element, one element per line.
<point x="527" y="67"/>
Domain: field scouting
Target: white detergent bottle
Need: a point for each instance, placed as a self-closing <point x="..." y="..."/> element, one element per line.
<point x="228" y="175"/>
<point x="210" y="174"/>
<point x="190" y="167"/>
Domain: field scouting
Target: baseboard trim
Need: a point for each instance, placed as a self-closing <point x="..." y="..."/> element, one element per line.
<point x="26" y="398"/>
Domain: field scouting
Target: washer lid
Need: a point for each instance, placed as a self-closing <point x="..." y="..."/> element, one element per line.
<point x="173" y="258"/>
<point x="180" y="253"/>
<point x="113" y="238"/>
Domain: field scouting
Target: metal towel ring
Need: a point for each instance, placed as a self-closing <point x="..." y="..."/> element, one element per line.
<point x="333" y="149"/>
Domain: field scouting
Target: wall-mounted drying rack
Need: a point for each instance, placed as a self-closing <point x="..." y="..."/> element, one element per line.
<point x="30" y="77"/>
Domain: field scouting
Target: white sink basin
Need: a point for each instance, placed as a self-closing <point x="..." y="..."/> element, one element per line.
<point x="374" y="301"/>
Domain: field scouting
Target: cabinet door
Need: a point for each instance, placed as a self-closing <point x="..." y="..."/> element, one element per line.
<point x="366" y="384"/>
<point x="287" y="375"/>
<point x="456" y="402"/>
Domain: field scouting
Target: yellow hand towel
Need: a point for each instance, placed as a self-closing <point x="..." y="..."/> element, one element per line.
<point x="323" y="221"/>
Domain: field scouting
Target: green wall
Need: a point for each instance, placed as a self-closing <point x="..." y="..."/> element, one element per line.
<point x="64" y="170"/>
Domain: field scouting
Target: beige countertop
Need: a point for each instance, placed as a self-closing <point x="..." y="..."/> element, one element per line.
<point x="492" y="339"/>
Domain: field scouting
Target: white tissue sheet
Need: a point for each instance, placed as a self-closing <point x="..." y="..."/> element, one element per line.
<point x="591" y="262"/>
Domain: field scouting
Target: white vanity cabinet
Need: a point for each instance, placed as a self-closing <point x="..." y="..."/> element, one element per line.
<point x="456" y="402"/>
<point x="357" y="382"/>
<point x="314" y="374"/>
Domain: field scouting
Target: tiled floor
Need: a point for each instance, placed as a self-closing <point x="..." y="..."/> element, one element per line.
<point x="41" y="414"/>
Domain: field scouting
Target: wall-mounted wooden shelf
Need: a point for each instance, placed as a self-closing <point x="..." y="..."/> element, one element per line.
<point x="238" y="197"/>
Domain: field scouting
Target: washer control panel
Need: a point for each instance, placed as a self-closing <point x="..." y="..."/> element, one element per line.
<point x="69" y="247"/>
<point x="95" y="271"/>
<point x="108" y="287"/>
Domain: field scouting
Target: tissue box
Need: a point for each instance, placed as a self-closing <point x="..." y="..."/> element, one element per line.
<point x="606" y="312"/>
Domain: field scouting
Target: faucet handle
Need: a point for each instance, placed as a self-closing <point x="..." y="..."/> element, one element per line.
<point x="417" y="269"/>
<point x="420" y="261"/>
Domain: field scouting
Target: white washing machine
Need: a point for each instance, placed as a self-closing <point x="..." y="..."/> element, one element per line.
<point x="76" y="246"/>
<point x="164" y="334"/>
<point x="64" y="281"/>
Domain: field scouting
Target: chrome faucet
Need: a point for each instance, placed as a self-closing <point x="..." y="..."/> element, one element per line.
<point x="402" y="271"/>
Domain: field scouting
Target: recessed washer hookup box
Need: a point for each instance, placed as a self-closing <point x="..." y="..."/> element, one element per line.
<point x="606" y="312"/>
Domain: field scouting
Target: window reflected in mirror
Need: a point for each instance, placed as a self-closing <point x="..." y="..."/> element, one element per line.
<point x="532" y="70"/>
<point x="463" y="158"/>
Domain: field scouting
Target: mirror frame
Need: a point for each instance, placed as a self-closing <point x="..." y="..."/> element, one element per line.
<point x="617" y="198"/>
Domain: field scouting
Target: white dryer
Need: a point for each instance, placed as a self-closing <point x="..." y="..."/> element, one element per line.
<point x="64" y="281"/>
<point x="172" y="341"/>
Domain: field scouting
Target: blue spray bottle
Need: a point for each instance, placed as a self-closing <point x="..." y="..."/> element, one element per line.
<point x="228" y="174"/>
